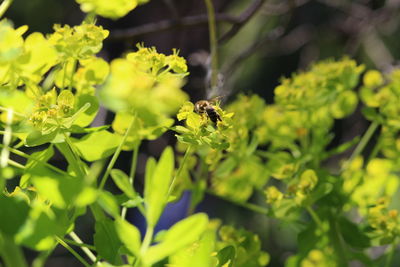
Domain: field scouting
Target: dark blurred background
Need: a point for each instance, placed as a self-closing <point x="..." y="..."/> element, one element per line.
<point x="259" y="42"/>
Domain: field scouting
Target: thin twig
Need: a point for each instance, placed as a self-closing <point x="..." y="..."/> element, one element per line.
<point x="164" y="25"/>
<point x="212" y="29"/>
<point x="242" y="20"/>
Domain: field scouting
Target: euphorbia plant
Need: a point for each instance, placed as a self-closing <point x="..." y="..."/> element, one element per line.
<point x="51" y="88"/>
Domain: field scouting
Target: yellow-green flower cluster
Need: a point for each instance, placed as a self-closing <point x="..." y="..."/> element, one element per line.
<point x="325" y="91"/>
<point x="298" y="190"/>
<point x="385" y="222"/>
<point x="78" y="42"/>
<point x="317" y="257"/>
<point x="51" y="110"/>
<point x="110" y="9"/>
<point x="246" y="245"/>
<point x="200" y="130"/>
<point x="145" y="87"/>
<point x="23" y="62"/>
<point x="368" y="185"/>
<point x="381" y="95"/>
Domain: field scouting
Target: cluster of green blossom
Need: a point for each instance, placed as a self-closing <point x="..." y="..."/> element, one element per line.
<point x="381" y="96"/>
<point x="144" y="88"/>
<point x="287" y="142"/>
<point x="385" y="223"/>
<point x="107" y="9"/>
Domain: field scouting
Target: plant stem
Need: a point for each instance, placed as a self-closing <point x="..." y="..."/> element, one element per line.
<point x="79" y="165"/>
<point x="147" y="239"/>
<point x="86" y="250"/>
<point x="363" y="143"/>
<point x="72" y="251"/>
<point x="16" y="164"/>
<point x="14" y="112"/>
<point x="132" y="174"/>
<point x="178" y="172"/>
<point x="10" y="253"/>
<point x="4" y="6"/>
<point x="72" y="242"/>
<point x="249" y="206"/>
<point x="24" y="155"/>
<point x="337" y="242"/>
<point x="213" y="43"/>
<point x="115" y="156"/>
<point x="71" y="78"/>
<point x="315" y="217"/>
<point x="40" y="260"/>
<point x="389" y="257"/>
<point x="5" y="152"/>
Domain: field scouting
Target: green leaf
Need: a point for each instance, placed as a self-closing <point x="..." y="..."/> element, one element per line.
<point x="97" y="145"/>
<point x="352" y="234"/>
<point x="129" y="236"/>
<point x="36" y="138"/>
<point x="178" y="236"/>
<point x="78" y="129"/>
<point x="88" y="116"/>
<point x="106" y="241"/>
<point x="14" y="212"/>
<point x="61" y="191"/>
<point x="307" y="239"/>
<point x="157" y="185"/>
<point x="75" y="165"/>
<point x="35" y="161"/>
<point x="197" y="254"/>
<point x="226" y="167"/>
<point x="107" y="202"/>
<point x="39" y="230"/>
<point x="122" y="181"/>
<point x="226" y="256"/>
<point x="320" y="191"/>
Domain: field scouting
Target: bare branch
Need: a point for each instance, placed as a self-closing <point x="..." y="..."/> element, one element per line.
<point x="242" y="20"/>
<point x="165" y="25"/>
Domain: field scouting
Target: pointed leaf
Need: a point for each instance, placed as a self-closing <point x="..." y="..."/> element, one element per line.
<point x="157" y="187"/>
<point x="178" y="236"/>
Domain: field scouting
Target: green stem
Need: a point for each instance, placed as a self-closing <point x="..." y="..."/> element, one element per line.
<point x="213" y="43"/>
<point x="14" y="112"/>
<point x="132" y="174"/>
<point x="115" y="156"/>
<point x="72" y="251"/>
<point x="64" y="74"/>
<point x="5" y="152"/>
<point x="16" y="164"/>
<point x="185" y="157"/>
<point x="40" y="260"/>
<point x="78" y="162"/>
<point x="337" y="242"/>
<point x="86" y="250"/>
<point x="4" y="6"/>
<point x="24" y="155"/>
<point x="71" y="78"/>
<point x="315" y="217"/>
<point x="390" y="254"/>
<point x="148" y="237"/>
<point x="72" y="242"/>
<point x="363" y="143"/>
<point x="249" y="206"/>
<point x="11" y="254"/>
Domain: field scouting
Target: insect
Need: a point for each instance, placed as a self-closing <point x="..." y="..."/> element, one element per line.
<point x="207" y="107"/>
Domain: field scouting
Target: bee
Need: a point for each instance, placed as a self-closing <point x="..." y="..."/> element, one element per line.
<point x="207" y="107"/>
